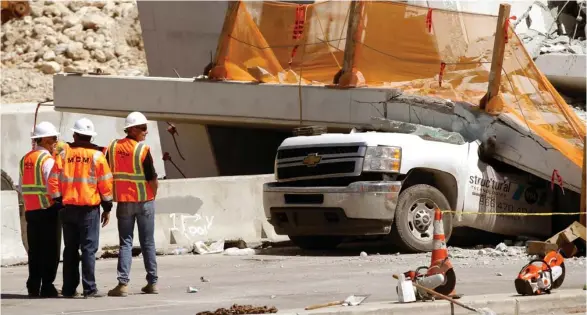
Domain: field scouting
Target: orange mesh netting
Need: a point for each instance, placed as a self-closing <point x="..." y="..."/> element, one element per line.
<point x="422" y="51"/>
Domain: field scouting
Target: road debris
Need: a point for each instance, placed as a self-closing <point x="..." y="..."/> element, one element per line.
<point x="203" y="248"/>
<point x="191" y="289"/>
<point x="351" y="300"/>
<point x="241" y="309"/>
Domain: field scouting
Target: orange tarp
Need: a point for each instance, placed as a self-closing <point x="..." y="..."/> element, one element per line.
<point x="400" y="46"/>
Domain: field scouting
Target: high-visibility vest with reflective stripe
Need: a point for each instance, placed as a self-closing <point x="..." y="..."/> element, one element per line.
<point x="81" y="177"/>
<point x="33" y="184"/>
<point x="126" y="158"/>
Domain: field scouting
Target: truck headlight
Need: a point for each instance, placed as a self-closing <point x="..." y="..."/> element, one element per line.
<point x="382" y="159"/>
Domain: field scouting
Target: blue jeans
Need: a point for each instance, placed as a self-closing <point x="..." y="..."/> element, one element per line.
<point x="81" y="230"/>
<point x="144" y="214"/>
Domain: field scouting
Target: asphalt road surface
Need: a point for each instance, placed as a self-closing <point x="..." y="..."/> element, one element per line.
<point x="286" y="278"/>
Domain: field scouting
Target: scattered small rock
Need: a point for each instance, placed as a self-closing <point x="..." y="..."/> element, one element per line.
<point x="499" y="274"/>
<point x="363" y="254"/>
<point x="50" y="67"/>
<point x="501" y="247"/>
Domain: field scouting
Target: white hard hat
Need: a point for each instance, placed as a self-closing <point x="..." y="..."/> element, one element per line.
<point x="84" y="126"/>
<point x="44" y="129"/>
<point x="135" y="119"/>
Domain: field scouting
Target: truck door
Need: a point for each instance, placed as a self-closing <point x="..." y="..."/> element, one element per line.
<point x="500" y="188"/>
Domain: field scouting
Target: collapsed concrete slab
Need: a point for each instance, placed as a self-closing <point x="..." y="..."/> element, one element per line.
<point x="566" y="71"/>
<point x="269" y="105"/>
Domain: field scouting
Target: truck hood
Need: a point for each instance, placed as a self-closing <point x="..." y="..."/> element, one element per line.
<point x="367" y="138"/>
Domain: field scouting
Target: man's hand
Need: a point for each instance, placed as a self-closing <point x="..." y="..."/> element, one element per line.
<point x="105" y="218"/>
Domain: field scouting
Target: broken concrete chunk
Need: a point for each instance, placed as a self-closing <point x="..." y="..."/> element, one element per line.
<point x="501" y="247"/>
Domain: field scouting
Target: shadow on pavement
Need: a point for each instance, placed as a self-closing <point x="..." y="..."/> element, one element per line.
<point x="14" y="296"/>
<point x="346" y="249"/>
<point x="463" y="238"/>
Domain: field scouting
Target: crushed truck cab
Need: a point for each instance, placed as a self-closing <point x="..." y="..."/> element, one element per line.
<point x="331" y="186"/>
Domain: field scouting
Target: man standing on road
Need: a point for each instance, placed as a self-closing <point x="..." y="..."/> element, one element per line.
<point x="135" y="188"/>
<point x="41" y="213"/>
<point x="82" y="181"/>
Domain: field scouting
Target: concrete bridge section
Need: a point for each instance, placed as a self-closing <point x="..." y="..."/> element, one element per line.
<point x="182" y="35"/>
<point x="280" y="106"/>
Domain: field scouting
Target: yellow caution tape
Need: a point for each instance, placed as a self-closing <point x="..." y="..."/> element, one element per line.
<point x="522" y="214"/>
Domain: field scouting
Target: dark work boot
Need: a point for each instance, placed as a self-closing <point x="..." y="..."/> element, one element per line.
<point x="49" y="292"/>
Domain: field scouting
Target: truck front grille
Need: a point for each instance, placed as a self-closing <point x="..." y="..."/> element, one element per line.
<point x="303" y="152"/>
<point x="318" y="170"/>
<point x="325" y="162"/>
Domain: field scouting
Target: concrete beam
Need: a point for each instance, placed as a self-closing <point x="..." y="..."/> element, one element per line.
<point x="277" y="106"/>
<point x="565" y="71"/>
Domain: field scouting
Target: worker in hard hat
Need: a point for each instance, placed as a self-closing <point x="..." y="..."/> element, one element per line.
<point x="135" y="188"/>
<point x="41" y="212"/>
<point x="62" y="145"/>
<point x="82" y="181"/>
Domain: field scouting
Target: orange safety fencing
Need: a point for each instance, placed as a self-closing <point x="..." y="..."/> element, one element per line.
<point x="421" y="51"/>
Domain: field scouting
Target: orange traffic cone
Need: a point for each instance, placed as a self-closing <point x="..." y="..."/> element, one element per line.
<point x="440" y="264"/>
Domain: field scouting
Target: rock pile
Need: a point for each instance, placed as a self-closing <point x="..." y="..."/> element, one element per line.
<point x="73" y="36"/>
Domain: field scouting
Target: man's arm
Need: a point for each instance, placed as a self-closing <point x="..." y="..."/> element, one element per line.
<point x="53" y="184"/>
<point x="104" y="177"/>
<point x="150" y="173"/>
<point x="105" y="183"/>
<point x="47" y="168"/>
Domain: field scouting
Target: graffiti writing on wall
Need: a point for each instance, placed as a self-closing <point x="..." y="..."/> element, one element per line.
<point x="192" y="225"/>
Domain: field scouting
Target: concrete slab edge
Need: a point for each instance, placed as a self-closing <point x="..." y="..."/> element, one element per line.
<point x="501" y="304"/>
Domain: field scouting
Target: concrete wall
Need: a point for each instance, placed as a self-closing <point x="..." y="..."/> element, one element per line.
<point x="181" y="35"/>
<point x="17" y="123"/>
<point x="12" y="247"/>
<point x="187" y="211"/>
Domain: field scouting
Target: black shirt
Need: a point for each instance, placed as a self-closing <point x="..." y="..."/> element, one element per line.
<point x="148" y="165"/>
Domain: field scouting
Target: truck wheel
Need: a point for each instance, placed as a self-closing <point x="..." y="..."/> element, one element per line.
<point x="316" y="242"/>
<point x="413" y="226"/>
<point x="8" y="184"/>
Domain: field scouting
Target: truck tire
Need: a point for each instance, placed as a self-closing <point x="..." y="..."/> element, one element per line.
<point x="316" y="242"/>
<point x="8" y="184"/>
<point x="413" y="226"/>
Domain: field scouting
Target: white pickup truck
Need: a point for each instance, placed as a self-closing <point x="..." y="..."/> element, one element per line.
<point x="331" y="186"/>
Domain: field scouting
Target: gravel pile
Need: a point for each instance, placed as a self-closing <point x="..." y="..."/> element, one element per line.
<point x="73" y="36"/>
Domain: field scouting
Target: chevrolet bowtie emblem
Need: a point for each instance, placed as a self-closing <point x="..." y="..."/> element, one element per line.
<point x="312" y="159"/>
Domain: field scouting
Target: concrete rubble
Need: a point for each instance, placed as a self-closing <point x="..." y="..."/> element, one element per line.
<point x="557" y="27"/>
<point x="73" y="36"/>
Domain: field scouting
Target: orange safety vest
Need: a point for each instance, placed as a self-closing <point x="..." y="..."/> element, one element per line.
<point x="81" y="176"/>
<point x="126" y="158"/>
<point x="33" y="184"/>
